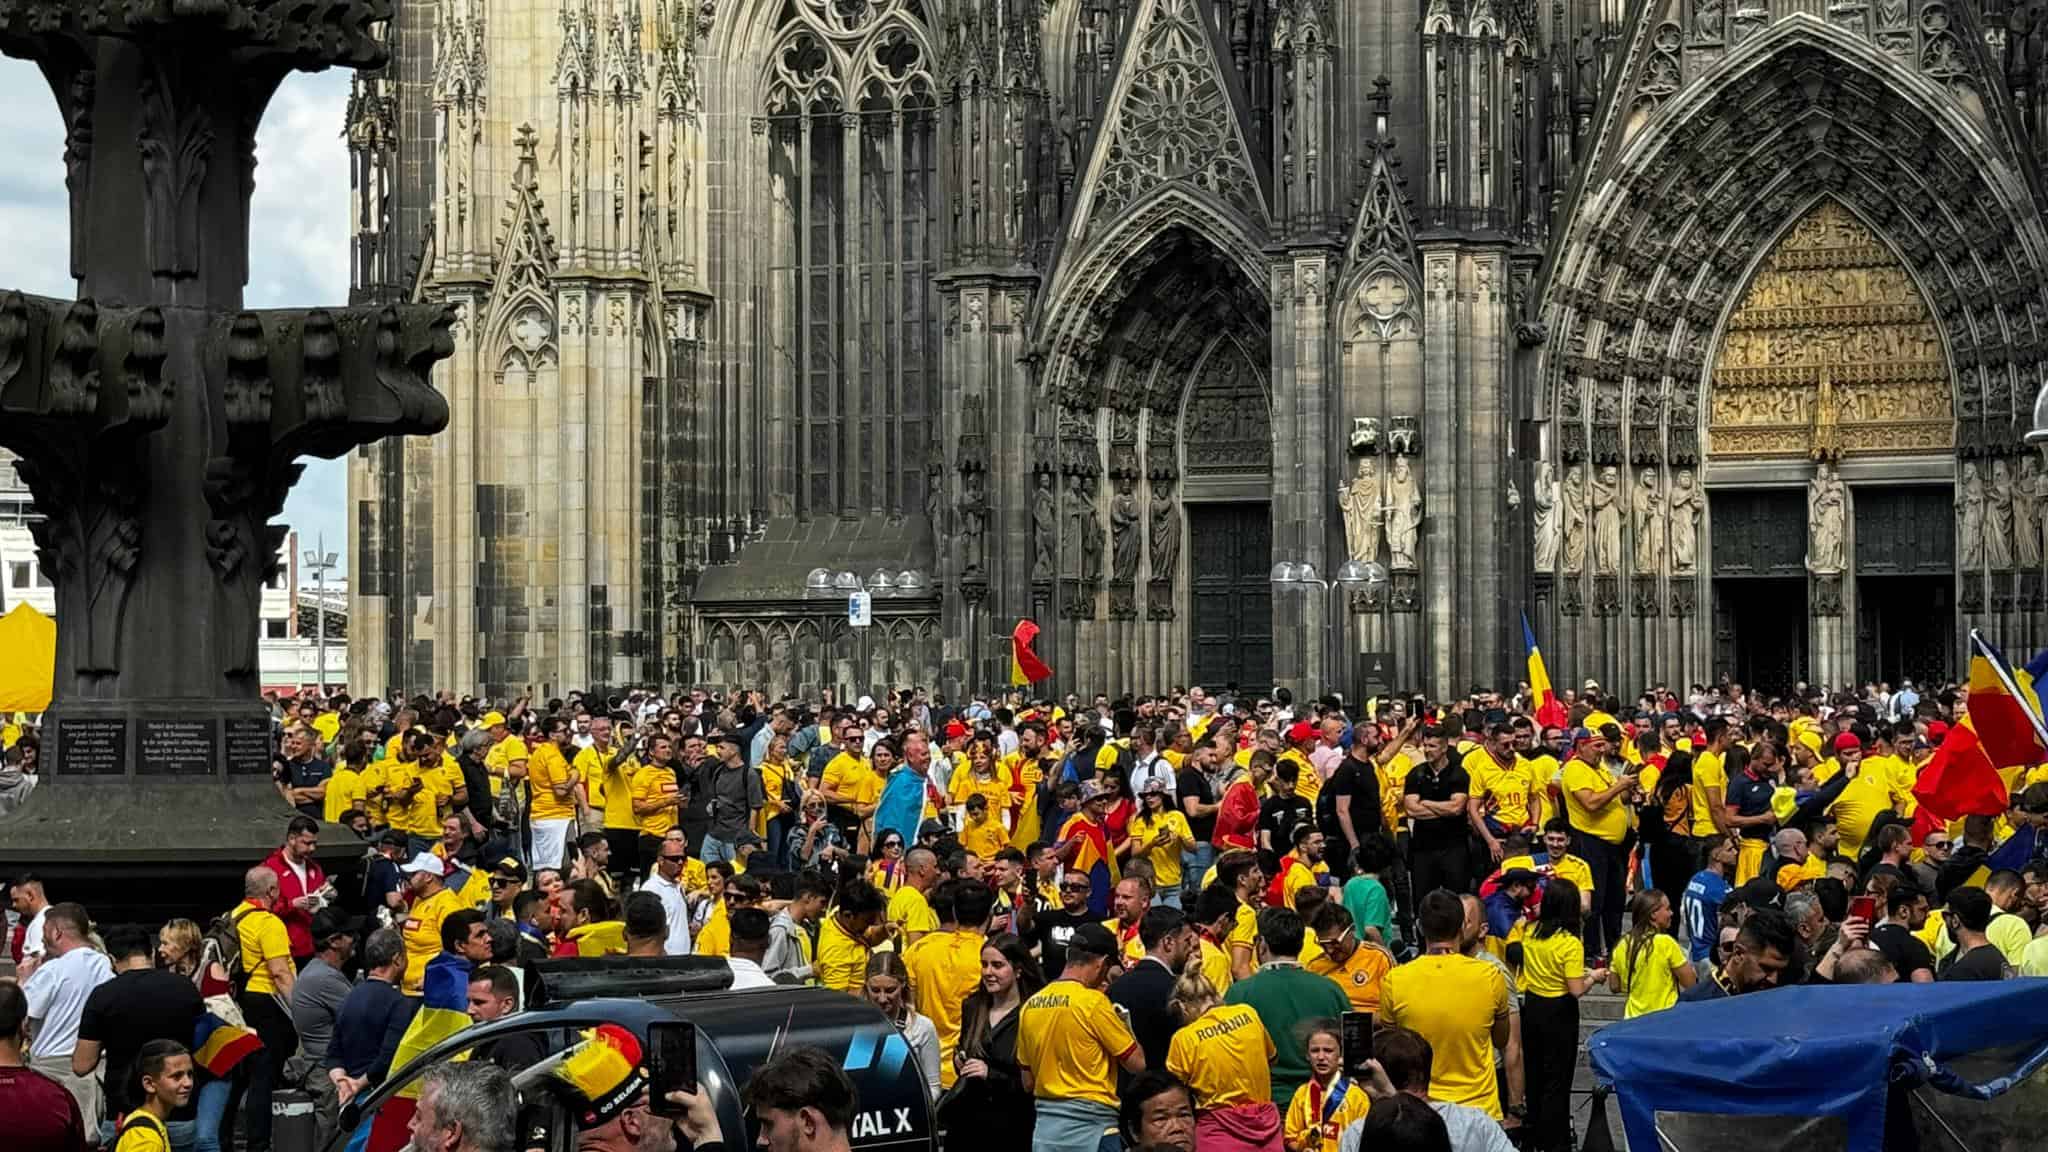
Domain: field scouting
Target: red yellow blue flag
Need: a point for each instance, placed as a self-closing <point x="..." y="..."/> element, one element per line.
<point x="2003" y="706"/>
<point x="1092" y="859"/>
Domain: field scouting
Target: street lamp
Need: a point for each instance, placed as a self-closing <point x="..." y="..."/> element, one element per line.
<point x="1351" y="576"/>
<point x="882" y="584"/>
<point x="320" y="561"/>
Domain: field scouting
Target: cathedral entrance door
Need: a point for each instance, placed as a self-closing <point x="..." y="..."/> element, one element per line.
<point x="1230" y="549"/>
<point x="1905" y="587"/>
<point x="1760" y="614"/>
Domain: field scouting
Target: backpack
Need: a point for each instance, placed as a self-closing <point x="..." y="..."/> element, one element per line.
<point x="223" y="946"/>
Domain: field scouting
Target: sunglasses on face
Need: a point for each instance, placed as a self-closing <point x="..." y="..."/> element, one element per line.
<point x="1725" y="947"/>
<point x="502" y="882"/>
<point x="674" y="859"/>
<point x="1073" y="887"/>
<point x="1933" y="845"/>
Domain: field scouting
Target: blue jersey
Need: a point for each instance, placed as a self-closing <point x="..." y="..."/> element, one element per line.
<point x="1703" y="899"/>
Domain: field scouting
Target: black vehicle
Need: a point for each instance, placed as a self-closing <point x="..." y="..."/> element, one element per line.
<point x="737" y="1032"/>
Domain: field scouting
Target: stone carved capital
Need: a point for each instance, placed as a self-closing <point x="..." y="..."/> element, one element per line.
<point x="306" y="34"/>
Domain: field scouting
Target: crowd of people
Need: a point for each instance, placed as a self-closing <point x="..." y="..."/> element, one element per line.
<point x="1129" y="923"/>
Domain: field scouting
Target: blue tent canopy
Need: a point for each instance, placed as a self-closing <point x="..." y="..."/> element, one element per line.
<point x="1819" y="1051"/>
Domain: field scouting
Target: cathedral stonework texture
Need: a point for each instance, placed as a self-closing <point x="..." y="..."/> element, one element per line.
<point x="1703" y="335"/>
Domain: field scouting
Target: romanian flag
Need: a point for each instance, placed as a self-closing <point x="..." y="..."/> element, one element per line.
<point x="1025" y="666"/>
<point x="1958" y="781"/>
<point x="1549" y="712"/>
<point x="443" y="1011"/>
<point x="2003" y="707"/>
<point x="1094" y="860"/>
<point x="218" y="1046"/>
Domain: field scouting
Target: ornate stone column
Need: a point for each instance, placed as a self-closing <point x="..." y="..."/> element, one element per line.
<point x="158" y="422"/>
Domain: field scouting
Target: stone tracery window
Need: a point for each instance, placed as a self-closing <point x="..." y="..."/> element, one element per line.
<point x="848" y="324"/>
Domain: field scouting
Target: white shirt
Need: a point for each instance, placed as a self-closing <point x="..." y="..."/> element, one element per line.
<point x="32" y="942"/>
<point x="56" y="993"/>
<point x="677" y="909"/>
<point x="747" y="975"/>
<point x="1155" y="767"/>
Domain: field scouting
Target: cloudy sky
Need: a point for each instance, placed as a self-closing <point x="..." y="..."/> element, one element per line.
<point x="299" y="233"/>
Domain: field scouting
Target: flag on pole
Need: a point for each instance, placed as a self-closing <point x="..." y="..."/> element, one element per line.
<point x="1549" y="712"/>
<point x="2003" y="707"/>
<point x="1025" y="666"/>
<point x="1959" y="781"/>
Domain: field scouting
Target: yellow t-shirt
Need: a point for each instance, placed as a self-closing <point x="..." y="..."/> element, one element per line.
<point x="420" y="816"/>
<point x="848" y="776"/>
<point x="1549" y="961"/>
<point x="985" y="838"/>
<point x="774" y="779"/>
<point x="262" y="937"/>
<point x="965" y="783"/>
<point x="1313" y="1125"/>
<point x="142" y="1133"/>
<point x="1393" y="781"/>
<point x="1166" y="862"/>
<point x="842" y="960"/>
<point x="715" y="937"/>
<point x="545" y="769"/>
<point x="1861" y="801"/>
<point x="345" y="790"/>
<point x="945" y="968"/>
<point x="1296" y="877"/>
<point x="910" y="911"/>
<point x="601" y="938"/>
<point x="1609" y="823"/>
<point x="1708" y="771"/>
<point x="1215" y="964"/>
<point x="376" y="778"/>
<point x="1360" y="977"/>
<point x="328" y="725"/>
<point x="1505" y="789"/>
<point x="502" y="758"/>
<point x="1244" y="933"/>
<point x="1568" y="866"/>
<point x="653" y="782"/>
<point x="611" y="788"/>
<point x="1651" y="981"/>
<point x="1071" y="1037"/>
<point x="1225" y="1057"/>
<point x="422" y="935"/>
<point x="1307" y="784"/>
<point x="1452" y="1001"/>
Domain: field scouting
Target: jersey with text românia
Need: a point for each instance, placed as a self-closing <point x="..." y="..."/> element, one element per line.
<point x="1225" y="1057"/>
<point x="1072" y="1038"/>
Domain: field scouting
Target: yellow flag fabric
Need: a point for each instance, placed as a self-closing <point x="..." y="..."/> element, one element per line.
<point x="28" y="659"/>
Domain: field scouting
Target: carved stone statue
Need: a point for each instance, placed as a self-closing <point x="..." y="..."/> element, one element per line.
<point x="1706" y="21"/>
<point x="1998" y="518"/>
<point x="2026" y="514"/>
<point x="1607" y="522"/>
<point x="1543" y="518"/>
<point x="1970" y="520"/>
<point x="1123" y="530"/>
<point x="1045" y="528"/>
<point x="1084" y="527"/>
<point x="1573" y="499"/>
<point x="973" y="522"/>
<point x="1404" y="515"/>
<point x="1684" y="503"/>
<point x="1165" y="531"/>
<point x="1647" y="503"/>
<point x="1826" y="514"/>
<point x="935" y="495"/>
<point x="1586" y="65"/>
<point x="1360" y="502"/>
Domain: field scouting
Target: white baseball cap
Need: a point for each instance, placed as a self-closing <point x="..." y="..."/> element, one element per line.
<point x="424" y="862"/>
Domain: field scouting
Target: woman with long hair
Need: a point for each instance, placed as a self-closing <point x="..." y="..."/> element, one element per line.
<point x="1650" y="967"/>
<point x="1554" y="976"/>
<point x="988" y="1096"/>
<point x="182" y="950"/>
<point x="1159" y="834"/>
<point x="1667" y="828"/>
<point x="886" y="872"/>
<point x="782" y="796"/>
<point x="887" y="987"/>
<point x="1224" y="1055"/>
<point x="1116" y="820"/>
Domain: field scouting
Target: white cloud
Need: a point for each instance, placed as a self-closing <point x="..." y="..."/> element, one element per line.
<point x="299" y="220"/>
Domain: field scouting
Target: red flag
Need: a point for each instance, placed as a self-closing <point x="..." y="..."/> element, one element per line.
<point x="1025" y="666"/>
<point x="1959" y="781"/>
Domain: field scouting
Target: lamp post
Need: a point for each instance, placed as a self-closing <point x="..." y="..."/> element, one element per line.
<point x="881" y="584"/>
<point x="321" y="562"/>
<point x="1351" y="576"/>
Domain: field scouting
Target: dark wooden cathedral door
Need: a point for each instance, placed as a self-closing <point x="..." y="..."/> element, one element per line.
<point x="1230" y="547"/>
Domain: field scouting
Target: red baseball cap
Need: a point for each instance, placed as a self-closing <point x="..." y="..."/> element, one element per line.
<point x="1848" y="740"/>
<point x="1300" y="733"/>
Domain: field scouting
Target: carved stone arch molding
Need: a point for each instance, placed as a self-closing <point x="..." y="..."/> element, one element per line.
<point x="1666" y="240"/>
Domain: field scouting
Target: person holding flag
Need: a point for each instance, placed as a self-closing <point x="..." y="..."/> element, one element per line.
<point x="1083" y="847"/>
<point x="443" y="1011"/>
<point x="1025" y="666"/>
<point x="1543" y="703"/>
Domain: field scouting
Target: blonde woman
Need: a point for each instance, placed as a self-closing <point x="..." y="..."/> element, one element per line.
<point x="1224" y="1056"/>
<point x="887" y="987"/>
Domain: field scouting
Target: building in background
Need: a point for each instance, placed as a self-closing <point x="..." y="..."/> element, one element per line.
<point x="1699" y="334"/>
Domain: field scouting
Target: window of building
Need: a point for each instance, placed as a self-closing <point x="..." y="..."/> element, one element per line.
<point x="17" y="574"/>
<point x="274" y="628"/>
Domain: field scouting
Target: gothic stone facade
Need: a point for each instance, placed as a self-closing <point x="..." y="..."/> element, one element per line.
<point x="1699" y="335"/>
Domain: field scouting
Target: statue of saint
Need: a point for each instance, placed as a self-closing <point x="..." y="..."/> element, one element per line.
<point x="1647" y="503"/>
<point x="1165" y="531"/>
<point x="1123" y="530"/>
<point x="1684" y="503"/>
<point x="1998" y="518"/>
<point x="1970" y="520"/>
<point x="1607" y="522"/>
<point x="1404" y="516"/>
<point x="1084" y="526"/>
<point x="1360" y="502"/>
<point x="973" y="519"/>
<point x="1543" y="518"/>
<point x="1573" y="498"/>
<point x="1826" y="513"/>
<point x="2026" y="514"/>
<point x="1045" y="528"/>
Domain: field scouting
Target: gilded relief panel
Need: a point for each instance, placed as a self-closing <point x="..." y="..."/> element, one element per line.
<point x="1832" y="351"/>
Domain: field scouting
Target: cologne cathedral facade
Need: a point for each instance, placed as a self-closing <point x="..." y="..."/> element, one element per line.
<point x="1700" y="334"/>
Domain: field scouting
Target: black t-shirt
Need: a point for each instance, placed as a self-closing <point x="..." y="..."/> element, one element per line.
<point x="1752" y="797"/>
<point x="309" y="774"/>
<point x="1193" y="784"/>
<point x="1280" y="815"/>
<point x="1984" y="962"/>
<point x="1423" y="784"/>
<point x="514" y="1052"/>
<point x="1907" y="954"/>
<point x="129" y="1011"/>
<point x="1052" y="930"/>
<point x="1354" y="784"/>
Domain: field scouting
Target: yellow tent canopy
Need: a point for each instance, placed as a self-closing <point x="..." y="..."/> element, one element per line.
<point x="28" y="659"/>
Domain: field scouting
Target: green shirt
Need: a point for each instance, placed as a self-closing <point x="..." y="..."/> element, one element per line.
<point x="1284" y="995"/>
<point x="1366" y="899"/>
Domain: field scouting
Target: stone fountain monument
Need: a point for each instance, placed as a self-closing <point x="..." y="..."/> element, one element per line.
<point x="159" y="423"/>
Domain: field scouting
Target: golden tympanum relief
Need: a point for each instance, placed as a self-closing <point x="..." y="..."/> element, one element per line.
<point x="1831" y="352"/>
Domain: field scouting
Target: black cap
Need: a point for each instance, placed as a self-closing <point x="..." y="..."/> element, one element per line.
<point x="1093" y="939"/>
<point x="393" y="837"/>
<point x="1520" y="876"/>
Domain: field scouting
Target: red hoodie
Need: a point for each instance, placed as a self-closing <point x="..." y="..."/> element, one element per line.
<point x="298" y="923"/>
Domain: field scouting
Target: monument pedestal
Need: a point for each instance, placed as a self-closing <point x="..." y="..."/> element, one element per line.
<point x="140" y="738"/>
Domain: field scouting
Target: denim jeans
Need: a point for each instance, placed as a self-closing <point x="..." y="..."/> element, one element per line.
<point x="199" y="1134"/>
<point x="716" y="849"/>
<point x="1195" y="862"/>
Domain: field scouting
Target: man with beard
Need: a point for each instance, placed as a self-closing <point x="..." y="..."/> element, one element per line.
<point x="1434" y="800"/>
<point x="1297" y="869"/>
<point x="1070" y="1041"/>
<point x="1348" y="808"/>
<point x="1147" y="985"/>
<point x="1052" y="929"/>
<point x="1764" y="947"/>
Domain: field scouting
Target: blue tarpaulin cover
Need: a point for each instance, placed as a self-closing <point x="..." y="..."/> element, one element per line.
<point x="1818" y="1051"/>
